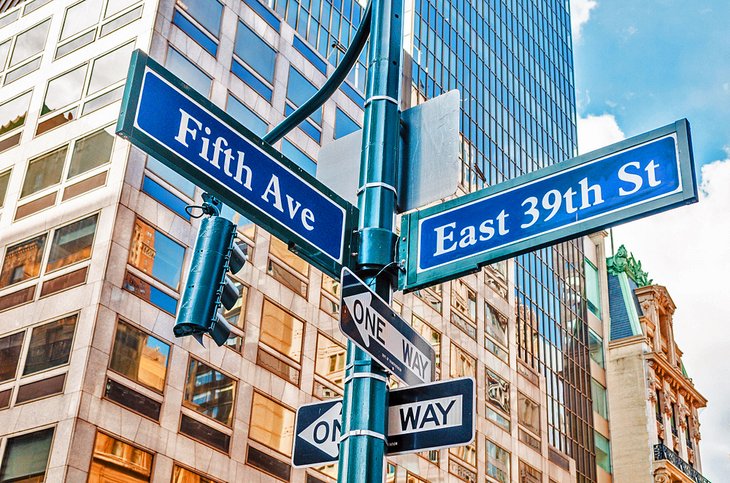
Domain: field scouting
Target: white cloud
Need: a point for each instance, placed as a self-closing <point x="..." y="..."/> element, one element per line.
<point x="580" y="12"/>
<point x="597" y="131"/>
<point x="687" y="250"/>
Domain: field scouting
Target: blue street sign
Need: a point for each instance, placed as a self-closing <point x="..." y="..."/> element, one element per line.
<point x="628" y="180"/>
<point x="370" y="323"/>
<point x="166" y="118"/>
<point x="317" y="433"/>
<point x="429" y="416"/>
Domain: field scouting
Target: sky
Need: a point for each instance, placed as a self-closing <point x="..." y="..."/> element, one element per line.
<point x="640" y="65"/>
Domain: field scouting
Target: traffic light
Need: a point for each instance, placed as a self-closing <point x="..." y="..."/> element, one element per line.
<point x="208" y="286"/>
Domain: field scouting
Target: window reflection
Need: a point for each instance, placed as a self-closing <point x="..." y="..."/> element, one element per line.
<point x="115" y="460"/>
<point x="22" y="261"/>
<point x="271" y="424"/>
<point x="72" y="243"/>
<point x="183" y="475"/>
<point x="81" y="16"/>
<point x="281" y="331"/>
<point x="210" y="392"/>
<point x="30" y="42"/>
<point x="206" y="12"/>
<point x="64" y="90"/>
<point x="255" y="52"/>
<point x="498" y="462"/>
<point x="110" y="68"/>
<point x="139" y="356"/>
<point x="156" y="254"/>
<point x="4" y="179"/>
<point x="330" y="362"/>
<point x="50" y="345"/>
<point x="14" y="112"/>
<point x="496" y="326"/>
<point x="188" y="72"/>
<point x="44" y="171"/>
<point x="528" y="413"/>
<point x="10" y="347"/>
<point x="26" y="457"/>
<point x="462" y="364"/>
<point x="90" y="152"/>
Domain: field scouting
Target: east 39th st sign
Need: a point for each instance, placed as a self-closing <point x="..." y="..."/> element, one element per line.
<point x="185" y="131"/>
<point x="646" y="174"/>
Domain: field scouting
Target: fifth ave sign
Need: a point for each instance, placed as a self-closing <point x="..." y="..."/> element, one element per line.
<point x="169" y="120"/>
<point x="637" y="177"/>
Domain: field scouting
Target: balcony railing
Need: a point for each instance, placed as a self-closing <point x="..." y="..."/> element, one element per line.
<point x="661" y="452"/>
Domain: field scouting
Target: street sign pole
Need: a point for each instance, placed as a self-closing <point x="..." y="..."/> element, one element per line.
<point x="364" y="426"/>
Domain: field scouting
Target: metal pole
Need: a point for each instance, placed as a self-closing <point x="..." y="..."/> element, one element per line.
<point x="364" y="411"/>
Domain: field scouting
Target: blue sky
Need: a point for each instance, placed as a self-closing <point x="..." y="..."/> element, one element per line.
<point x="649" y="63"/>
<point x="640" y="65"/>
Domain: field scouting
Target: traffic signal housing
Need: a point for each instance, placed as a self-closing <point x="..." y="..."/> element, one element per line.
<point x="208" y="286"/>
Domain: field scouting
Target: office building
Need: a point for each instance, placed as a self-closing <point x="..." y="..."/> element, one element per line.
<point x="96" y="241"/>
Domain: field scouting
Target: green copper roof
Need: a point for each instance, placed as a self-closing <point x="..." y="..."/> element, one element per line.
<point x="624" y="262"/>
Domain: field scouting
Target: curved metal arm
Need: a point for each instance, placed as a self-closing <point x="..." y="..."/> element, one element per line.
<point x="330" y="86"/>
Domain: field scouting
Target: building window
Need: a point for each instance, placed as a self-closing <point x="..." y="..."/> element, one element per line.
<point x="140" y="356"/>
<point x="44" y="171"/>
<point x="156" y="254"/>
<point x="431" y="335"/>
<point x="201" y="21"/>
<point x="256" y="53"/>
<point x="26" y="457"/>
<point x="344" y="124"/>
<point x="299" y="157"/>
<point x="172" y="177"/>
<point x="246" y="116"/>
<point x="595" y="347"/>
<point x="330" y="362"/>
<point x="10" y="347"/>
<point x="496" y="332"/>
<point x="411" y="478"/>
<point x="71" y="244"/>
<point x="210" y="392"/>
<point x="28" y="44"/>
<point x="528" y="413"/>
<point x="462" y="364"/>
<point x="329" y="300"/>
<point x="184" y="475"/>
<point x="115" y="460"/>
<point x="603" y="452"/>
<point x="272" y="424"/>
<point x="593" y="289"/>
<point x="13" y="114"/>
<point x="282" y="331"/>
<point x="107" y="71"/>
<point x="87" y="154"/>
<point x="256" y="64"/>
<point x="287" y="268"/>
<point x="464" y="308"/>
<point x="299" y="90"/>
<point x="23" y="261"/>
<point x="188" y="72"/>
<point x="467" y="454"/>
<point x="81" y="16"/>
<point x="432" y="296"/>
<point x="50" y="345"/>
<point x="498" y="463"/>
<point x="498" y="393"/>
<point x="600" y="402"/>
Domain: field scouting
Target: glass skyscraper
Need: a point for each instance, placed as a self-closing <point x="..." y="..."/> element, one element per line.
<point x="512" y="62"/>
<point x="96" y="242"/>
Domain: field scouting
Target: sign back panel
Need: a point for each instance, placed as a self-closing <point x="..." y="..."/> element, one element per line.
<point x="627" y="180"/>
<point x="169" y="120"/>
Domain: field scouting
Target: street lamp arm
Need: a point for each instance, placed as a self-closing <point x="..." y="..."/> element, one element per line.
<point x="330" y="86"/>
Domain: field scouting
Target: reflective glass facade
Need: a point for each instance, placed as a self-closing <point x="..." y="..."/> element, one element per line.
<point x="512" y="62"/>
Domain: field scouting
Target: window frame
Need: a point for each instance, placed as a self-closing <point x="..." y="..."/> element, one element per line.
<point x="278" y="403"/>
<point x="177" y="291"/>
<point x="28" y="432"/>
<point x="189" y="406"/>
<point x="141" y="329"/>
<point x="29" y="337"/>
<point x="275" y="352"/>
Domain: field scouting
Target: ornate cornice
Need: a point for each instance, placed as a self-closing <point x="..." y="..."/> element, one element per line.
<point x="624" y="262"/>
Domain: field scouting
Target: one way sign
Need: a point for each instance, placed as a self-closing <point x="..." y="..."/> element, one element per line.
<point x="429" y="416"/>
<point x="370" y="323"/>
